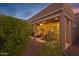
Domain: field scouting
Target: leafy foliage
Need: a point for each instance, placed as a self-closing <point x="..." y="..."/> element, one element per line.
<point x="49" y="37"/>
<point x="14" y="34"/>
<point x="51" y="47"/>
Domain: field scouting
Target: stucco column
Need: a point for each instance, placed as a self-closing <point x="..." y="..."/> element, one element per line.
<point x="34" y="31"/>
<point x="69" y="32"/>
<point x="62" y="30"/>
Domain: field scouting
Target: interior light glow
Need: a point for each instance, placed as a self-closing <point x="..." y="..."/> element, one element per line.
<point x="56" y="18"/>
<point x="41" y="24"/>
<point x="52" y="30"/>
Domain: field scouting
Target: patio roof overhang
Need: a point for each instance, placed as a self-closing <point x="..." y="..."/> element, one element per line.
<point x="52" y="10"/>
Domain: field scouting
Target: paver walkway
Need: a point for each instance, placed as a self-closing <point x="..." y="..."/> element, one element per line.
<point x="32" y="49"/>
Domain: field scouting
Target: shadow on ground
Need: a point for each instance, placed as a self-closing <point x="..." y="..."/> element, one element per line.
<point x="73" y="50"/>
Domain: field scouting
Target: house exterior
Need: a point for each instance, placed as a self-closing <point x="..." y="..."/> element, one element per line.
<point x="76" y="26"/>
<point x="57" y="18"/>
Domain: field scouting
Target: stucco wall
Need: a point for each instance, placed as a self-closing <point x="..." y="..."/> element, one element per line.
<point x="70" y="13"/>
<point x="77" y="26"/>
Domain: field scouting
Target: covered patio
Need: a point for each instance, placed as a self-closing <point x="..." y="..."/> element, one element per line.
<point x="56" y="19"/>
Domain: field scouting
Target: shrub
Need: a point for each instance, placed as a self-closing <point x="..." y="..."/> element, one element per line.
<point x="51" y="47"/>
<point x="14" y="34"/>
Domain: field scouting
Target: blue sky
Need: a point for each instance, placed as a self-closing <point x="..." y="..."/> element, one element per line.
<point x="23" y="11"/>
<point x="26" y="10"/>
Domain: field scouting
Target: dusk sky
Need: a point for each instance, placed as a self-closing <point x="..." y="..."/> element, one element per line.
<point x="27" y="10"/>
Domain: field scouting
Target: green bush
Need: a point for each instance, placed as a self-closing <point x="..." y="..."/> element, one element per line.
<point x="51" y="46"/>
<point x="14" y="34"/>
